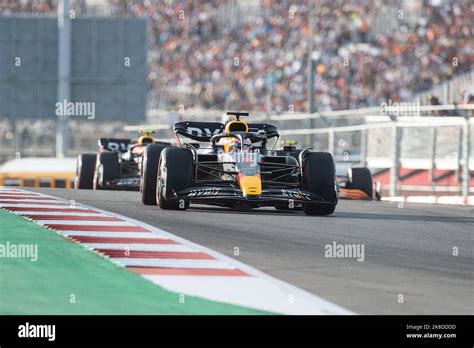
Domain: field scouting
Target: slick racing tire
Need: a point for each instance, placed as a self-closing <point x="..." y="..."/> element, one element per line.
<point x="361" y="179"/>
<point x="151" y="159"/>
<point x="85" y="171"/>
<point x="175" y="173"/>
<point x="319" y="178"/>
<point x="107" y="169"/>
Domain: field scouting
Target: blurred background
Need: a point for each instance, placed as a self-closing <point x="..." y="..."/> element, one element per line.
<point x="388" y="84"/>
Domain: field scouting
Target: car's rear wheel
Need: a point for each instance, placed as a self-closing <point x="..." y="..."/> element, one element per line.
<point x="85" y="171"/>
<point x="361" y="179"/>
<point x="175" y="173"/>
<point x="107" y="169"/>
<point x="151" y="159"/>
<point x="319" y="178"/>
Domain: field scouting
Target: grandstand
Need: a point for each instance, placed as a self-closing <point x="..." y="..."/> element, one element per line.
<point x="196" y="59"/>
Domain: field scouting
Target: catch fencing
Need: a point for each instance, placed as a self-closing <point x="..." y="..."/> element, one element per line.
<point x="392" y="142"/>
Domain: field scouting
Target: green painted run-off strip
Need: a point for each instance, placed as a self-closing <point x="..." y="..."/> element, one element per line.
<point x="65" y="270"/>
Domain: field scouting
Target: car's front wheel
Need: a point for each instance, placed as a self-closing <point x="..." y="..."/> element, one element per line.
<point x="151" y="158"/>
<point x="175" y="173"/>
<point x="319" y="178"/>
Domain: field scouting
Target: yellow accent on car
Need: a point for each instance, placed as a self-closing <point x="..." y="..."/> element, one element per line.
<point x="250" y="185"/>
<point x="145" y="139"/>
<point x="227" y="144"/>
<point x="146" y="131"/>
<point x="289" y="142"/>
<point x="236" y="126"/>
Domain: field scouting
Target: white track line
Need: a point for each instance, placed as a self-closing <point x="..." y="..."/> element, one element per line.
<point x="139" y="247"/>
<point x="84" y="223"/>
<point x="23" y="198"/>
<point x="18" y="194"/>
<point x="173" y="263"/>
<point x="85" y="214"/>
<point x="109" y="234"/>
<point x="455" y="200"/>
<point x="16" y="200"/>
<point x="34" y="205"/>
<point x="251" y="290"/>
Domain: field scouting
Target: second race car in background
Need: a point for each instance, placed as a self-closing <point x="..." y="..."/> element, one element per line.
<point x="358" y="184"/>
<point x="118" y="164"/>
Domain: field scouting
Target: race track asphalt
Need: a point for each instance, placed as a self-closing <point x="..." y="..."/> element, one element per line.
<point x="409" y="249"/>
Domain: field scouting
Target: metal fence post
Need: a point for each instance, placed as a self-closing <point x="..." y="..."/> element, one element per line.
<point x="466" y="175"/>
<point x="16" y="138"/>
<point x="311" y="70"/>
<point x="458" y="171"/>
<point x="394" y="169"/>
<point x="64" y="75"/>
<point x="363" y="147"/>
<point x="433" y="136"/>
<point x="331" y="141"/>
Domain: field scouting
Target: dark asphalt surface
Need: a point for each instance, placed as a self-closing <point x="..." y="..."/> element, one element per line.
<point x="408" y="250"/>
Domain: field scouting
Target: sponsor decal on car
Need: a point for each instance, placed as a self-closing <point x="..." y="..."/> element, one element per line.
<point x="128" y="181"/>
<point x="204" y="192"/>
<point x="295" y="194"/>
<point x="199" y="132"/>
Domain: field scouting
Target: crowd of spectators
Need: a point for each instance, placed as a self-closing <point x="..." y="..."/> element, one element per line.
<point x="8" y="7"/>
<point x="261" y="64"/>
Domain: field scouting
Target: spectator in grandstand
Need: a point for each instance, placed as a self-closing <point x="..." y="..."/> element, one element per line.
<point x="467" y="96"/>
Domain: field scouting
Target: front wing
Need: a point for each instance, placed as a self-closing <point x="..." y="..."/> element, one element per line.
<point x="217" y="195"/>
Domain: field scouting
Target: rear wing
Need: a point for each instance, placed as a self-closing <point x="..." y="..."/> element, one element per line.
<point x="264" y="128"/>
<point x="204" y="131"/>
<point x="114" y="144"/>
<point x="199" y="131"/>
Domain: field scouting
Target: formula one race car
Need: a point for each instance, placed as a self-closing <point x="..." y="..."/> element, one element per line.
<point x="118" y="165"/>
<point x="237" y="169"/>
